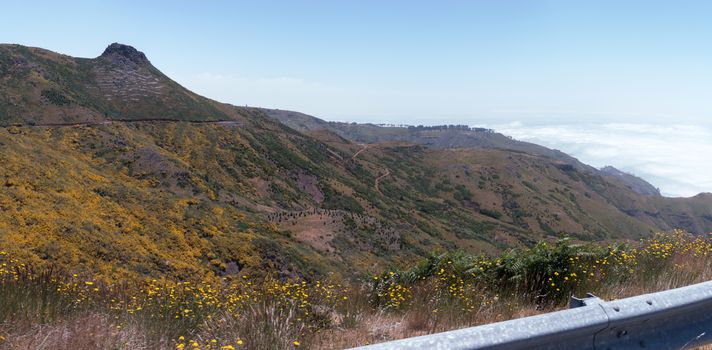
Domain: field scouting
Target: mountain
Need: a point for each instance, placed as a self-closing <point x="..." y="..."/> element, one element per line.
<point x="444" y="137"/>
<point x="448" y="137"/>
<point x="109" y="166"/>
<point x="632" y="182"/>
<point x="43" y="87"/>
<point x="435" y="137"/>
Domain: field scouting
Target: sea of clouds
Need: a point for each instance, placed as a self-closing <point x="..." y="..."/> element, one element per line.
<point x="674" y="158"/>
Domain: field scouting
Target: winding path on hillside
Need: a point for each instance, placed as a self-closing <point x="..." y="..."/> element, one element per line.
<point x="359" y="152"/>
<point x="378" y="181"/>
<point x="126" y="121"/>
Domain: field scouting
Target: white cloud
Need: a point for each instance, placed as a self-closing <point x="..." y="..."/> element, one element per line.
<point x="672" y="157"/>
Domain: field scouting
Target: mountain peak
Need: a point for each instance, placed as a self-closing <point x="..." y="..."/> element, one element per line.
<point x="116" y="52"/>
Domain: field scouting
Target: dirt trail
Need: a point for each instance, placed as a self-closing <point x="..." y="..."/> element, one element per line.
<point x="378" y="181"/>
<point x="112" y="121"/>
<point x="359" y="152"/>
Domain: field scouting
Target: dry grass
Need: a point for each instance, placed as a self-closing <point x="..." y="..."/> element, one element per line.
<point x="91" y="331"/>
<point x="43" y="311"/>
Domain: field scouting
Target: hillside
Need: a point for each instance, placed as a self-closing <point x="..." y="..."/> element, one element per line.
<point x="436" y="137"/>
<point x="448" y="137"/>
<point x="43" y="87"/>
<point x="633" y="182"/>
<point x="109" y="166"/>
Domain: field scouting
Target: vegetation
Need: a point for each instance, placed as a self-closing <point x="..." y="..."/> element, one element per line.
<point x="51" y="88"/>
<point x="109" y="167"/>
<point x="55" y="97"/>
<point x="136" y="214"/>
<point x="52" y="309"/>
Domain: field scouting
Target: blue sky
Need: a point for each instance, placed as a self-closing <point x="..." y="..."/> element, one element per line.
<point x="494" y="62"/>
<point x="408" y="60"/>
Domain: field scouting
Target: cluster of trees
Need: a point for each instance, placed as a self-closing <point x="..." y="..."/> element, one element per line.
<point x="448" y="127"/>
<point x="434" y="127"/>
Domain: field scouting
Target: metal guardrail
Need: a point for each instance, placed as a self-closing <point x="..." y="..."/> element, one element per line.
<point x="674" y="319"/>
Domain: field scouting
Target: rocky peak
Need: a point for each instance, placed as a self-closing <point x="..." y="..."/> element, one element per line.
<point x="117" y="53"/>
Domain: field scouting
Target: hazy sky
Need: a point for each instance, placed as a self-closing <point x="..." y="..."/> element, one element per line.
<point x="541" y="63"/>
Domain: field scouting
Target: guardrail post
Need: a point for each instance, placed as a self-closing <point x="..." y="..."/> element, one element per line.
<point x="590" y="299"/>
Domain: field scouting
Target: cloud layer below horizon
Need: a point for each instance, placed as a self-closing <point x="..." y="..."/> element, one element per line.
<point x="671" y="157"/>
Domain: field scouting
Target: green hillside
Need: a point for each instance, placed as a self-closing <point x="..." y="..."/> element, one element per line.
<point x="111" y="167"/>
<point x="43" y="87"/>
